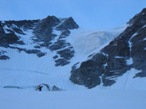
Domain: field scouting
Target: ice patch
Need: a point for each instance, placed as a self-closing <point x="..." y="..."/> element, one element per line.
<point x="129" y="61"/>
<point x="144" y="39"/>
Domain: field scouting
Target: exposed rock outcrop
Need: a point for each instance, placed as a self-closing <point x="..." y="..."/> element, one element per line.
<point x="126" y="51"/>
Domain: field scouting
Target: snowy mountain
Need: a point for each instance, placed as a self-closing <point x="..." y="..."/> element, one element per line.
<point x="54" y="53"/>
<point x="41" y="52"/>
<point x="120" y="64"/>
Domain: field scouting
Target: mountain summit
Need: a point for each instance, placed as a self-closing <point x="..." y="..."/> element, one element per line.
<point x="12" y="35"/>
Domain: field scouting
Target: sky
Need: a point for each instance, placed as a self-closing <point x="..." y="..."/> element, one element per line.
<point x="89" y="14"/>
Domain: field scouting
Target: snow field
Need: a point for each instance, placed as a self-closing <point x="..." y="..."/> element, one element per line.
<point x="85" y="99"/>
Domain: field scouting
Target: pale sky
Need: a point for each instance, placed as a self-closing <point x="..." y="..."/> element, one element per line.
<point x="90" y="14"/>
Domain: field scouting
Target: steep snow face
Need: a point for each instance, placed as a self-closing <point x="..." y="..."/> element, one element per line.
<point x="86" y="43"/>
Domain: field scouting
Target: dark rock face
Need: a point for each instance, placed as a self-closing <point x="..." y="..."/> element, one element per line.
<point x="68" y="24"/>
<point x="1" y="30"/>
<point x="66" y="53"/>
<point x="87" y="75"/>
<point x="43" y="30"/>
<point x="3" y="55"/>
<point x="112" y="60"/>
<point x="8" y="36"/>
<point x="58" y="45"/>
<point x="11" y="38"/>
<point x="40" y="54"/>
<point x="64" y="34"/>
<point x="26" y="24"/>
<point x="113" y="49"/>
<point x="61" y="62"/>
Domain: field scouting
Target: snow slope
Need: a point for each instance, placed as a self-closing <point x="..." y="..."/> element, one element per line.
<point x="27" y="70"/>
<point x="128" y="81"/>
<point x="85" y="99"/>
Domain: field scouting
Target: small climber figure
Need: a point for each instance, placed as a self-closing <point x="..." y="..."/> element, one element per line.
<point x="43" y="86"/>
<point x="39" y="88"/>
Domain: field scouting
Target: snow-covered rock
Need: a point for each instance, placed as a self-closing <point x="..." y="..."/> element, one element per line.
<point x="125" y="52"/>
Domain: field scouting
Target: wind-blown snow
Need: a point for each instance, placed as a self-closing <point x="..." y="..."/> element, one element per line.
<point x="86" y="42"/>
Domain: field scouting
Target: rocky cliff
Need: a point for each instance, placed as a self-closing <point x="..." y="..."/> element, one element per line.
<point x="125" y="52"/>
<point x="49" y="32"/>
